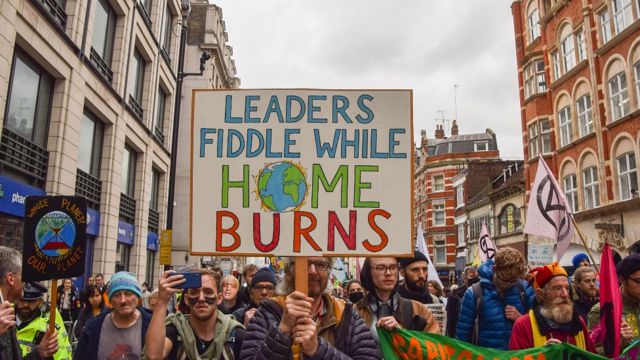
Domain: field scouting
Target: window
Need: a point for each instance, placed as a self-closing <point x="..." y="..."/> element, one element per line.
<point x="509" y="219"/>
<point x="128" y="171"/>
<point x="582" y="45"/>
<point x="481" y="146"/>
<point x="584" y="114"/>
<point x="621" y="14"/>
<point x="591" y="189"/>
<point x="147" y="6"/>
<point x="166" y="30"/>
<point x="155" y="190"/>
<point x="545" y="136"/>
<point x="29" y="100"/>
<point x="568" y="53"/>
<point x="440" y="250"/>
<point x="533" y="20"/>
<point x="627" y="175"/>
<point x="438" y="215"/>
<point x="534" y="81"/>
<point x="605" y="26"/>
<point x="158" y="125"/>
<point x="151" y="266"/>
<point x="475" y="227"/>
<point x="460" y="195"/>
<point x="123" y="252"/>
<point x="571" y="191"/>
<point x="461" y="236"/>
<point x="533" y="140"/>
<point x="90" y="144"/>
<point x="136" y="79"/>
<point x="438" y="183"/>
<point x="103" y="31"/>
<point x="636" y="69"/>
<point x="564" y="117"/>
<point x="619" y="95"/>
<point x="555" y="59"/>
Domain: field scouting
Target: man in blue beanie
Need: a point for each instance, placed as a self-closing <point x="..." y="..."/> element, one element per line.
<point x="262" y="287"/>
<point x="580" y="259"/>
<point x="120" y="333"/>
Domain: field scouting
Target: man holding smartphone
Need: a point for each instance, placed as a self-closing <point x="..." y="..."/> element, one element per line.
<point x="205" y="334"/>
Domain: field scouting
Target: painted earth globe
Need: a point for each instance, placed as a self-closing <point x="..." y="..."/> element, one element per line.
<point x="282" y="186"/>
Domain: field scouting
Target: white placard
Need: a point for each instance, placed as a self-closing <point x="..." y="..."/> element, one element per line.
<point x="540" y="254"/>
<point x="439" y="314"/>
<point x="301" y="172"/>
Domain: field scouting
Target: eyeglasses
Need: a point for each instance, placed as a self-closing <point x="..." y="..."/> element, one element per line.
<point x="261" y="288"/>
<point x="382" y="269"/>
<point x="319" y="265"/>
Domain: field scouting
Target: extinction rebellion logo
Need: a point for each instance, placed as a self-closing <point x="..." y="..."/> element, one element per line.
<point x="552" y="208"/>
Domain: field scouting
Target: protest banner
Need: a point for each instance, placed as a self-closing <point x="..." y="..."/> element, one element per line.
<point x="439" y="314"/>
<point x="55" y="241"/>
<point x="301" y="173"/>
<point x="406" y="344"/>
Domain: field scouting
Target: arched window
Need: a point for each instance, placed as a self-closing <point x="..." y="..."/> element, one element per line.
<point x="509" y="219"/>
<point x="583" y="109"/>
<point x="567" y="48"/>
<point x="590" y="182"/>
<point x="570" y="185"/>
<point x="564" y="120"/>
<point x="618" y="90"/>
<point x="533" y="19"/>
<point x="626" y="170"/>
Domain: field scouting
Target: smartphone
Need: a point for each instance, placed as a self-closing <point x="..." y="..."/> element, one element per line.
<point x="193" y="280"/>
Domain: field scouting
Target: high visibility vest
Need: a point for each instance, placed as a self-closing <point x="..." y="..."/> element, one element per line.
<point x="539" y="339"/>
<point x="36" y="328"/>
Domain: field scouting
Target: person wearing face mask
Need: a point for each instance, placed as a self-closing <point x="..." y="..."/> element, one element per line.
<point x="504" y="296"/>
<point x="355" y="292"/>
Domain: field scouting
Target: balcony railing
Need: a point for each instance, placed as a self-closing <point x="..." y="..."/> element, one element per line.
<point x="101" y="66"/>
<point x="90" y="187"/>
<point x="158" y="134"/>
<point x="135" y="107"/>
<point x="154" y="220"/>
<point x="127" y="208"/>
<point x="55" y="10"/>
<point x="23" y="155"/>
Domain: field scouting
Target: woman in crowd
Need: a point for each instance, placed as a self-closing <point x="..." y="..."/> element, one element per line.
<point x="230" y="288"/>
<point x="436" y="290"/>
<point x="92" y="307"/>
<point x="355" y="292"/>
<point x="68" y="302"/>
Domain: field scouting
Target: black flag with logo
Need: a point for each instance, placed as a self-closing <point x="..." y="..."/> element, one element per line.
<point x="55" y="239"/>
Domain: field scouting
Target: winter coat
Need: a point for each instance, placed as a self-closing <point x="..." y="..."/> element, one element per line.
<point x="495" y="328"/>
<point x="89" y="340"/>
<point x="263" y="340"/>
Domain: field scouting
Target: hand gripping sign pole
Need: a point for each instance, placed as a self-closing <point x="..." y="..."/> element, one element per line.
<point x="54" y="242"/>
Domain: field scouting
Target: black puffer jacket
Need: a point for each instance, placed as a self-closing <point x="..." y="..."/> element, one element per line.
<point x="263" y="341"/>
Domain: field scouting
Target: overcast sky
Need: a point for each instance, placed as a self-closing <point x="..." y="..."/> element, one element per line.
<point x="424" y="45"/>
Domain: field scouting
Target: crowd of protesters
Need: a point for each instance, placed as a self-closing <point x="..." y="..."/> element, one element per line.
<point x="502" y="304"/>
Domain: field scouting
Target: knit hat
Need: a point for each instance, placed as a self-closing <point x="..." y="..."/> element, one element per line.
<point x="544" y="274"/>
<point x="417" y="256"/>
<point x="33" y="291"/>
<point x="263" y="275"/>
<point x="580" y="257"/>
<point x="124" y="280"/>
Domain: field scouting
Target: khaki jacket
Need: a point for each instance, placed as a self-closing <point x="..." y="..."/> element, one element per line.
<point x="432" y="326"/>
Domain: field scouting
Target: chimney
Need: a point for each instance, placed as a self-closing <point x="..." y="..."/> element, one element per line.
<point x="454" y="128"/>
<point x="439" y="132"/>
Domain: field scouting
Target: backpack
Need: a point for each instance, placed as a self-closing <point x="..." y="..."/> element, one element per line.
<point x="477" y="296"/>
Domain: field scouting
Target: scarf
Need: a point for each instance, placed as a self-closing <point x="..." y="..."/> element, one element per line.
<point x="224" y="326"/>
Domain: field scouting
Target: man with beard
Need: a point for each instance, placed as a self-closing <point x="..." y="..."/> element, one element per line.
<point x="318" y="326"/>
<point x="490" y="307"/>
<point x="384" y="307"/>
<point x="469" y="277"/>
<point x="554" y="319"/>
<point x="205" y="334"/>
<point x="628" y="271"/>
<point x="585" y="292"/>
<point x="414" y="271"/>
<point x="119" y="333"/>
<point x="34" y="323"/>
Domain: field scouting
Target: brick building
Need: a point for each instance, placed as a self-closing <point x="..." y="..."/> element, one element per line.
<point x="579" y="76"/>
<point x="438" y="161"/>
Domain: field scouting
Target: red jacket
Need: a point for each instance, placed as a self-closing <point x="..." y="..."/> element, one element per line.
<point x="522" y="335"/>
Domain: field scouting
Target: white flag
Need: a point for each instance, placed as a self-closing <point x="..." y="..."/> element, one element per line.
<point x="487" y="249"/>
<point x="421" y="245"/>
<point x="548" y="213"/>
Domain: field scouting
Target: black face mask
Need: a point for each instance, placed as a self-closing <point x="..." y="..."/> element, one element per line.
<point x="473" y="280"/>
<point x="356" y="296"/>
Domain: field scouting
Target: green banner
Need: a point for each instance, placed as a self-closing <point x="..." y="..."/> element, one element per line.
<point x="410" y="345"/>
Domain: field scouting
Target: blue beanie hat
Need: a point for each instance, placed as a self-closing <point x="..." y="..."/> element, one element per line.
<point x="124" y="280"/>
<point x="264" y="274"/>
<point x="578" y="258"/>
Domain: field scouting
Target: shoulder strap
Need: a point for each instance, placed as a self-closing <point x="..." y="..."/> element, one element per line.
<point x="343" y="331"/>
<point x="406" y="311"/>
<point x="477" y="296"/>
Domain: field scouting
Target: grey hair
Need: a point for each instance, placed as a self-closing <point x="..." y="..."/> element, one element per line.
<point x="10" y="262"/>
<point x="286" y="283"/>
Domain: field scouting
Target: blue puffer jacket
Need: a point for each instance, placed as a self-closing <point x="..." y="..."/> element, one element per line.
<point x="495" y="328"/>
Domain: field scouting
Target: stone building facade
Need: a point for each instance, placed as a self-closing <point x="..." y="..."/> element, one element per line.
<point x="87" y="92"/>
<point x="579" y="77"/>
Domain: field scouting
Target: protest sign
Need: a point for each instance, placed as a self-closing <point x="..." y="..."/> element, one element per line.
<point x="439" y="314"/>
<point x="540" y="254"/>
<point x="301" y="172"/>
<point x="405" y="344"/>
<point x="54" y="237"/>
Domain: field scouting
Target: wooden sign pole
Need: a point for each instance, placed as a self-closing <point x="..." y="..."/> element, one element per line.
<point x="54" y="305"/>
<point x="302" y="273"/>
